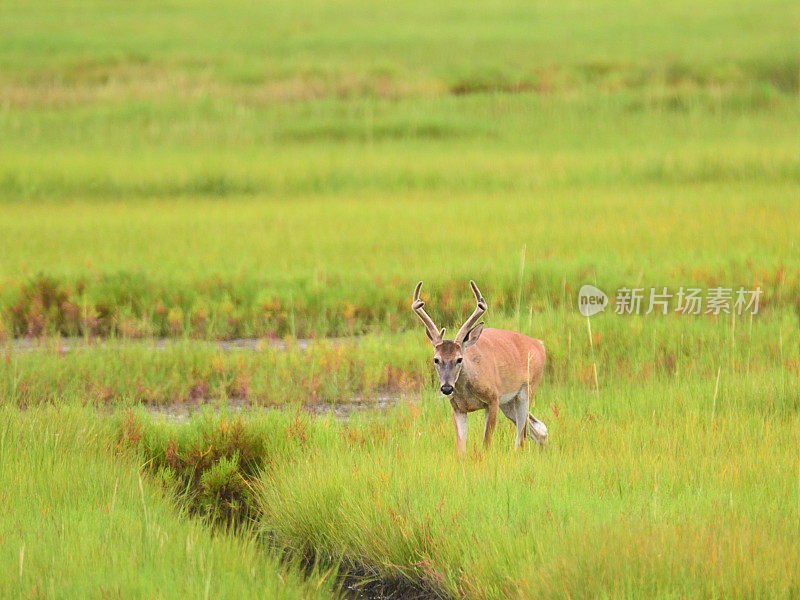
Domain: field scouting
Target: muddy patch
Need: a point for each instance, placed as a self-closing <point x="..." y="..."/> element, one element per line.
<point x="360" y="583"/>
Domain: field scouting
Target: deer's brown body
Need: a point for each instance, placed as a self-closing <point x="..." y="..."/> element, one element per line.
<point x="492" y="370"/>
<point x="491" y="367"/>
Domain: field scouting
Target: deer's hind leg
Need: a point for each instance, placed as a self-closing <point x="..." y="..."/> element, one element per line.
<point x="516" y="410"/>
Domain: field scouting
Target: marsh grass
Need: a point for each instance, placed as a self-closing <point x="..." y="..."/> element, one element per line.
<point x="188" y="374"/>
<point x="288" y="170"/>
<point x="644" y="490"/>
<point x="357" y="48"/>
<point x="252" y="267"/>
<point x="212" y="463"/>
<point x="364" y="369"/>
<point x="171" y="184"/>
<point x="647" y="488"/>
<point x="80" y="519"/>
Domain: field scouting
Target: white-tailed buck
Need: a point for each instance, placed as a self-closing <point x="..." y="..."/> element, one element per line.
<point x="486" y="369"/>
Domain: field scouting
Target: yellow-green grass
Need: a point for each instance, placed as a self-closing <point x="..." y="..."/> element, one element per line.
<point x="371" y="368"/>
<point x="659" y="486"/>
<point x="333" y="266"/>
<point x="185" y="374"/>
<point x="267" y="170"/>
<point x="80" y="520"/>
<point x="647" y="490"/>
<point x="287" y="170"/>
<point x="356" y="45"/>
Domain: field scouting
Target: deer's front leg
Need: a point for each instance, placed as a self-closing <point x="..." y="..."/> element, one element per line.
<point x="460" y="422"/>
<point x="491" y="420"/>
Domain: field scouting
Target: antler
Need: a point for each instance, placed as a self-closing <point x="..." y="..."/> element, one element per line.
<point x="433" y="332"/>
<point x="481" y="308"/>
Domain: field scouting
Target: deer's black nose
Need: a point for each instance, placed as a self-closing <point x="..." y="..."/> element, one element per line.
<point x="447" y="389"/>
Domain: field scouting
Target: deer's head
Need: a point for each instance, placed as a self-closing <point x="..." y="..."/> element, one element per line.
<point x="448" y="355"/>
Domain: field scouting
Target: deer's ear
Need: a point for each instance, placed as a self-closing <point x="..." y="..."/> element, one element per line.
<point x="473" y="335"/>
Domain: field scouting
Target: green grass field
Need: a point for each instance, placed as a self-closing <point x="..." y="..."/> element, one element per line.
<point x="166" y="172"/>
<point x="176" y="175"/>
<point x="81" y="521"/>
<point x="628" y="502"/>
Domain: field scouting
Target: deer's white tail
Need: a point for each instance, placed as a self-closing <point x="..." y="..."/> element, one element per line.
<point x="537" y="430"/>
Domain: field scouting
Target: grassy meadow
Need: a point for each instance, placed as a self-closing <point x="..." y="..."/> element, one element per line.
<point x="176" y="177"/>
<point x="634" y="499"/>
<point x="287" y="171"/>
<point x="81" y="521"/>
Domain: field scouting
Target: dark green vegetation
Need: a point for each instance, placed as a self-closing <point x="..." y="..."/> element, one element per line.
<point x="173" y="175"/>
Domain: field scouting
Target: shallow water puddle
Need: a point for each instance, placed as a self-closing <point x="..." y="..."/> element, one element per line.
<point x="341" y="411"/>
<point x="64" y="345"/>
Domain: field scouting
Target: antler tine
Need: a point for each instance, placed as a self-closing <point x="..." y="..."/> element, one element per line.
<point x="433" y="332"/>
<point x="479" y="310"/>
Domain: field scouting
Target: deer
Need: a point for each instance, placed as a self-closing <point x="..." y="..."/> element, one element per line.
<point x="486" y="369"/>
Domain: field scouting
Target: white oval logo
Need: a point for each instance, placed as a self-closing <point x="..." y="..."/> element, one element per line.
<point x="591" y="300"/>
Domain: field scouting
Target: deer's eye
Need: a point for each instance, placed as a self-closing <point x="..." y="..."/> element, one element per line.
<point x="458" y="360"/>
<point x="436" y="361"/>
